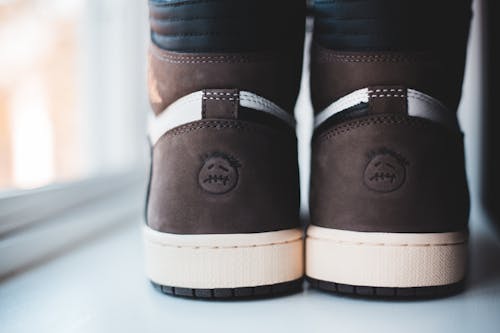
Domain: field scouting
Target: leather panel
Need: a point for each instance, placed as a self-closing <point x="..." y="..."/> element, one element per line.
<point x="384" y="25"/>
<point x="224" y="176"/>
<point x="274" y="76"/>
<point x="335" y="74"/>
<point x="389" y="173"/>
<point x="227" y="25"/>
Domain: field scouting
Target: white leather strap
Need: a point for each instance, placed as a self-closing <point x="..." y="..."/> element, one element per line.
<point x="425" y="106"/>
<point x="182" y="111"/>
<point x="419" y="105"/>
<point x="252" y="101"/>
<point x="343" y="103"/>
<point x="188" y="109"/>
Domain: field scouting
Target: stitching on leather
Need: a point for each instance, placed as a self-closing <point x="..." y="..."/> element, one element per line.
<point x="199" y="34"/>
<point x="335" y="57"/>
<point x="221" y="94"/>
<point x="210" y="59"/>
<point x="345" y="128"/>
<point x="386" y="244"/>
<point x="364" y="56"/>
<point x="220" y="98"/>
<point x="197" y="57"/>
<point x="367" y="60"/>
<point x="226" y="247"/>
<point x="182" y="3"/>
<point x="386" y="90"/>
<point x="194" y="18"/>
<point x="386" y="93"/>
<point x="218" y="124"/>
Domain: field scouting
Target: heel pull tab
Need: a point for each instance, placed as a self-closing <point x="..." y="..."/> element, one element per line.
<point x="388" y="99"/>
<point x="220" y="103"/>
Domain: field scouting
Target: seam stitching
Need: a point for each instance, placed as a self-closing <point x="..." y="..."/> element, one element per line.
<point x="194" y="18"/>
<point x="180" y="3"/>
<point x="225" y="247"/>
<point x="386" y="95"/>
<point x="386" y="90"/>
<point x="387" y="244"/>
<point x="221" y="94"/>
<point x="220" y="98"/>
<point x="198" y="34"/>
<point x="343" y="129"/>
<point x="211" y="59"/>
<point x="216" y="124"/>
<point x="367" y="58"/>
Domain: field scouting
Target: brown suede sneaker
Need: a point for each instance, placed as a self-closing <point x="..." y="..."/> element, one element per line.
<point x="388" y="200"/>
<point x="223" y="207"/>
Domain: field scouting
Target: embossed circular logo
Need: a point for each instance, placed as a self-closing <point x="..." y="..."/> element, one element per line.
<point x="386" y="171"/>
<point x="219" y="173"/>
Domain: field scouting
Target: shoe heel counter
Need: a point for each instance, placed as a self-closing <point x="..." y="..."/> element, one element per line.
<point x="389" y="173"/>
<point x="224" y="176"/>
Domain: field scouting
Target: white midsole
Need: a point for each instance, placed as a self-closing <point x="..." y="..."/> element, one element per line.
<point x="385" y="259"/>
<point x="224" y="260"/>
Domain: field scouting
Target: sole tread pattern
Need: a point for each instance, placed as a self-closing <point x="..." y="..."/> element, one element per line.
<point x="387" y="292"/>
<point x="279" y="289"/>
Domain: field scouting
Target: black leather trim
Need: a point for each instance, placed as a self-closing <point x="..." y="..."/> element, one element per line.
<point x="264" y="118"/>
<point x="361" y="25"/>
<point x="226" y="25"/>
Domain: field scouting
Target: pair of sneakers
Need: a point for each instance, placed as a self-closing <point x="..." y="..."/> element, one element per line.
<point x="388" y="193"/>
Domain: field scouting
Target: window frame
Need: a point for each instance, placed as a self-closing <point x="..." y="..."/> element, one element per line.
<point x="42" y="222"/>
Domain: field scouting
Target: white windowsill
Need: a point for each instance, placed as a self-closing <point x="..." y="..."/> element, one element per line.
<point x="101" y="287"/>
<point x="43" y="223"/>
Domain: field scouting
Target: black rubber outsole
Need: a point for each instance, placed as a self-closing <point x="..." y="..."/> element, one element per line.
<point x="387" y="292"/>
<point x="272" y="290"/>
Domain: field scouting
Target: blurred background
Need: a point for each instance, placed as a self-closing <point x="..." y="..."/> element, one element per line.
<point x="72" y="89"/>
<point x="73" y="102"/>
<point x="73" y="168"/>
<point x="74" y="108"/>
